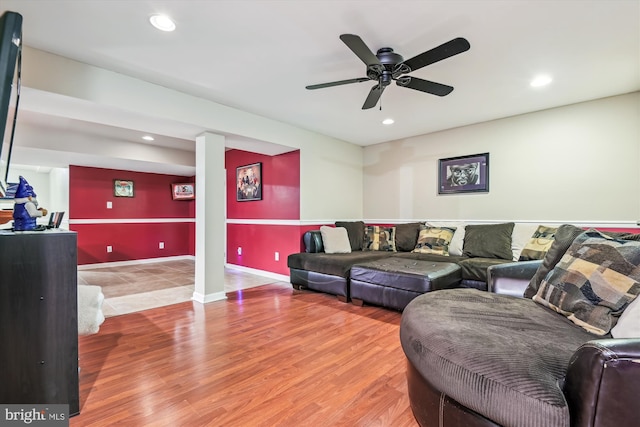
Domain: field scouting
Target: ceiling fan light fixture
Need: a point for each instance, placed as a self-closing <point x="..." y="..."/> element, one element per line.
<point x="541" y="80"/>
<point x="388" y="121"/>
<point x="162" y="22"/>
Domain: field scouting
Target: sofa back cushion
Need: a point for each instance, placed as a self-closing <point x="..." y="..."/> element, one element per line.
<point x="434" y="240"/>
<point x="488" y="241"/>
<point x="335" y="240"/>
<point x="594" y="281"/>
<point x="378" y="238"/>
<point x="355" y="230"/>
<point x="407" y="236"/>
<point x="313" y="241"/>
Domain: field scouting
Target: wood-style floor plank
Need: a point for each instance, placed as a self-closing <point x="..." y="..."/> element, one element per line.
<point x="266" y="356"/>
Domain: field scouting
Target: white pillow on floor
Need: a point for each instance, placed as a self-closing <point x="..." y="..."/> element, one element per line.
<point x="90" y="316"/>
<point x="335" y="240"/>
<point x="628" y="325"/>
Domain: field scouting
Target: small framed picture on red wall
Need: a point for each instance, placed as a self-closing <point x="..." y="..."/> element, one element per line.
<point x="183" y="191"/>
<point x="122" y="188"/>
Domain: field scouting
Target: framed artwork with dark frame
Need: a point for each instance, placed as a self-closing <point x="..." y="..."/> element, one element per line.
<point x="183" y="191"/>
<point x="464" y="174"/>
<point x="122" y="188"/>
<point x="249" y="182"/>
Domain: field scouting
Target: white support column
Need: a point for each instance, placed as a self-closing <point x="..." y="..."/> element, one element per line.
<point x="210" y="218"/>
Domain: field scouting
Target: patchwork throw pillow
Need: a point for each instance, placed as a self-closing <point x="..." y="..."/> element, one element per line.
<point x="335" y="240"/>
<point x="455" y="247"/>
<point x="407" y="236"/>
<point x="378" y="238"/>
<point x="355" y="230"/>
<point x="539" y="245"/>
<point x="563" y="238"/>
<point x="596" y="279"/>
<point x="434" y="240"/>
<point x="488" y="241"/>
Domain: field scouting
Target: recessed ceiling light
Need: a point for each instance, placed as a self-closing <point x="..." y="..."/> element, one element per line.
<point x="541" y="81"/>
<point x="162" y="22"/>
<point x="147" y="138"/>
<point x="388" y="121"/>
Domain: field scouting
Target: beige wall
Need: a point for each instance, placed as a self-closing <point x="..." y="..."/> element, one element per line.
<point x="578" y="163"/>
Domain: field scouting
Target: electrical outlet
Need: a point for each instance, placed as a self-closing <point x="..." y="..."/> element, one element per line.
<point x="109" y="205"/>
<point x="277" y="256"/>
<point x="239" y="250"/>
<point x="109" y="249"/>
<point x="161" y="245"/>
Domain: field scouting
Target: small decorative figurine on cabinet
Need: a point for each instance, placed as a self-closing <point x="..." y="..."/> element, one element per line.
<point x="25" y="208"/>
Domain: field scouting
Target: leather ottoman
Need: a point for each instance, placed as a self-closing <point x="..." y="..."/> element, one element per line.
<point x="393" y="282"/>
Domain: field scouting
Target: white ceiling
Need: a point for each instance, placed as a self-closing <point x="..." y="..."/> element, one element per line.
<point x="258" y="56"/>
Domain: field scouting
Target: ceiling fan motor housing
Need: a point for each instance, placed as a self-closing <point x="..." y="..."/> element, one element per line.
<point x="389" y="60"/>
<point x="388" y="57"/>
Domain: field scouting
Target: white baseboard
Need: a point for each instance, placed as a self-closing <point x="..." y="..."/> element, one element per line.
<point x="203" y="299"/>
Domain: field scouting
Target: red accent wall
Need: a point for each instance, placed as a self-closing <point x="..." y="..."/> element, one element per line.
<point x="259" y="244"/>
<point x="280" y="190"/>
<point x="89" y="191"/>
<point x="91" y="188"/>
<point x="131" y="241"/>
<point x="280" y="201"/>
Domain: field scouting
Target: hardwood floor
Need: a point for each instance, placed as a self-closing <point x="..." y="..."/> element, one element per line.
<point x="266" y="356"/>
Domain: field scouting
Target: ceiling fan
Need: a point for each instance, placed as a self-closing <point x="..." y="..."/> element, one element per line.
<point x="386" y="66"/>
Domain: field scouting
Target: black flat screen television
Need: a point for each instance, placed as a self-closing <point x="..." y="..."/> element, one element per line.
<point x="10" y="62"/>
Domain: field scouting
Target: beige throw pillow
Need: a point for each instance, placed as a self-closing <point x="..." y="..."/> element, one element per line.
<point x="335" y="240"/>
<point x="539" y="244"/>
<point x="455" y="247"/>
<point x="434" y="240"/>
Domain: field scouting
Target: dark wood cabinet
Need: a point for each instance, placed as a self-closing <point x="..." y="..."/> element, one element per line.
<point x="39" y="318"/>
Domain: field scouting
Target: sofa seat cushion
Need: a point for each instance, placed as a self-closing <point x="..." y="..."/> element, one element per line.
<point x="410" y="275"/>
<point x="334" y="264"/>
<point x="473" y="269"/>
<point x="498" y="355"/>
<point x="476" y="268"/>
<point x="430" y="257"/>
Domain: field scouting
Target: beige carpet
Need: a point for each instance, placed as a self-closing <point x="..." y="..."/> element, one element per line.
<point x="143" y="286"/>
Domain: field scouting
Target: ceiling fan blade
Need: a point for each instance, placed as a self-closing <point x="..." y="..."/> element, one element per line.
<point x="338" y="83"/>
<point x="444" y="51"/>
<point x="424" y="85"/>
<point x="374" y="96"/>
<point x="358" y="47"/>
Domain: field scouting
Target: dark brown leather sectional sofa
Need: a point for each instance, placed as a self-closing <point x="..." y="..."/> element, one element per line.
<point x="330" y="273"/>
